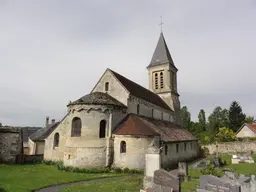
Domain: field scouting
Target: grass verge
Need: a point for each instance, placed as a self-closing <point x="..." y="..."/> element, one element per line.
<point x="25" y="178"/>
<point x="131" y="184"/>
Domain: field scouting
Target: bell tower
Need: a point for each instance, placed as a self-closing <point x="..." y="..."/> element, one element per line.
<point x="163" y="77"/>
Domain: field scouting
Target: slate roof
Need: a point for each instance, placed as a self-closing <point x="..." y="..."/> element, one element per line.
<point x="161" y="54"/>
<point x="28" y="131"/>
<point x="136" y="125"/>
<point x="43" y="133"/>
<point x="140" y="92"/>
<point x="98" y="98"/>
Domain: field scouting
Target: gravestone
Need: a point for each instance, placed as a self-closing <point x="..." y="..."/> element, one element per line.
<point x="215" y="184"/>
<point x="166" y="182"/>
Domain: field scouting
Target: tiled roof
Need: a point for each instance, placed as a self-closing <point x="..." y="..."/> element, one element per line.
<point x="141" y="92"/>
<point x="161" y="54"/>
<point x="98" y="98"/>
<point x="43" y="133"/>
<point x="138" y="125"/>
<point x="252" y="126"/>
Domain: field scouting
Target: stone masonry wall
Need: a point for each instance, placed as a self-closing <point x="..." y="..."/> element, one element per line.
<point x="232" y="147"/>
<point x="136" y="148"/>
<point x="11" y="144"/>
<point x="174" y="155"/>
<point x="88" y="150"/>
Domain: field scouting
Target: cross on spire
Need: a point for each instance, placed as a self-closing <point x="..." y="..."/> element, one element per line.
<point x="161" y="24"/>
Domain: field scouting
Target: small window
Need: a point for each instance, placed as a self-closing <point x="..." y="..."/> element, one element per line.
<point x="166" y="149"/>
<point x="76" y="127"/>
<point x="138" y="109"/>
<point x="156" y="81"/>
<point x="161" y="80"/>
<point x="177" y="148"/>
<point x="152" y="112"/>
<point x="123" y="147"/>
<point x="102" y="133"/>
<point x="106" y="86"/>
<point x="185" y="146"/>
<point x="56" y="140"/>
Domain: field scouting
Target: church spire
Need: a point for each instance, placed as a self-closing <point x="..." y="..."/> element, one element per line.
<point x="161" y="54"/>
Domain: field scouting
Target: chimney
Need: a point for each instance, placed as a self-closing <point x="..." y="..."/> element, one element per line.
<point x="53" y="121"/>
<point x="47" y="122"/>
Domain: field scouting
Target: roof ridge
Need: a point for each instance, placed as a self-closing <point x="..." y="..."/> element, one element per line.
<point x="157" y="100"/>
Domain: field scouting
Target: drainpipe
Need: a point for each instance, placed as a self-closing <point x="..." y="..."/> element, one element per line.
<point x="108" y="138"/>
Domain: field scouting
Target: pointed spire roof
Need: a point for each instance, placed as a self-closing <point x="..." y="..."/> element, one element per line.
<point x="161" y="54"/>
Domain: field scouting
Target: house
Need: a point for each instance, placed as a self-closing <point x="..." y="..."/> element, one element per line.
<point x="116" y="123"/>
<point x="36" y="140"/>
<point x="247" y="130"/>
<point x="26" y="132"/>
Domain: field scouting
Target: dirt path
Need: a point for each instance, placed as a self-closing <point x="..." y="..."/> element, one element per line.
<point x="56" y="188"/>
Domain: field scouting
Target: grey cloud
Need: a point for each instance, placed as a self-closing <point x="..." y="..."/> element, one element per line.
<point x="55" y="51"/>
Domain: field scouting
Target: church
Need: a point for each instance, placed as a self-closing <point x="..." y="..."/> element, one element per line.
<point x="116" y="123"/>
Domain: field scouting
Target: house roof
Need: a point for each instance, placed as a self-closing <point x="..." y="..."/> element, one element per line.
<point x="161" y="54"/>
<point x="98" y="98"/>
<point x="251" y="126"/>
<point x="140" y="92"/>
<point x="43" y="133"/>
<point x="28" y="131"/>
<point x="136" y="125"/>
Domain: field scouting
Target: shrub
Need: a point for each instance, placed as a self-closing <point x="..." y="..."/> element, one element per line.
<point x="226" y="135"/>
<point x="212" y="170"/>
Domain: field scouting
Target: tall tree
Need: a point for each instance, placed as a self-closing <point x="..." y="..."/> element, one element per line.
<point x="202" y="120"/>
<point x="249" y="119"/>
<point x="218" y="118"/>
<point x="236" y="116"/>
<point x="185" y="117"/>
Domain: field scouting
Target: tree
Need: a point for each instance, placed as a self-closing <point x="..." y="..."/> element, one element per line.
<point x="225" y="135"/>
<point x="1" y="125"/>
<point x="202" y="120"/>
<point x="185" y="117"/>
<point x="218" y="118"/>
<point x="249" y="119"/>
<point x="236" y="116"/>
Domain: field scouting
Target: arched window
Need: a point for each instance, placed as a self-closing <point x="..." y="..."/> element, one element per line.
<point x="106" y="86"/>
<point x="138" y="109"/>
<point x="102" y="133"/>
<point x="123" y="147"/>
<point x="76" y="127"/>
<point x="156" y="81"/>
<point x="161" y="80"/>
<point x="56" y="140"/>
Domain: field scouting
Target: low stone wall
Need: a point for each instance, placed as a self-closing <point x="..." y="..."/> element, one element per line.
<point x="26" y="159"/>
<point x="232" y="147"/>
<point x="11" y="144"/>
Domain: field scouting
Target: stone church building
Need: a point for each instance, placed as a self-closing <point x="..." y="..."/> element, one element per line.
<point x="119" y="120"/>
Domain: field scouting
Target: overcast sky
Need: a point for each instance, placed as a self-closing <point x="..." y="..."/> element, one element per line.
<point x="55" y="51"/>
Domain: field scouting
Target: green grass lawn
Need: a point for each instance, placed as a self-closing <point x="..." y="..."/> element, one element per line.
<point x="131" y="184"/>
<point x="24" y="178"/>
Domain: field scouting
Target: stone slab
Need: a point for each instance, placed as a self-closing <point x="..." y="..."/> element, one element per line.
<point x="212" y="183"/>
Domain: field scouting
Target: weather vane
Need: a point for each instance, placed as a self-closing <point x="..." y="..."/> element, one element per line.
<point x="161" y="24"/>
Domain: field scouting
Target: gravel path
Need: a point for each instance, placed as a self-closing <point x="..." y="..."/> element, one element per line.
<point x="56" y="188"/>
